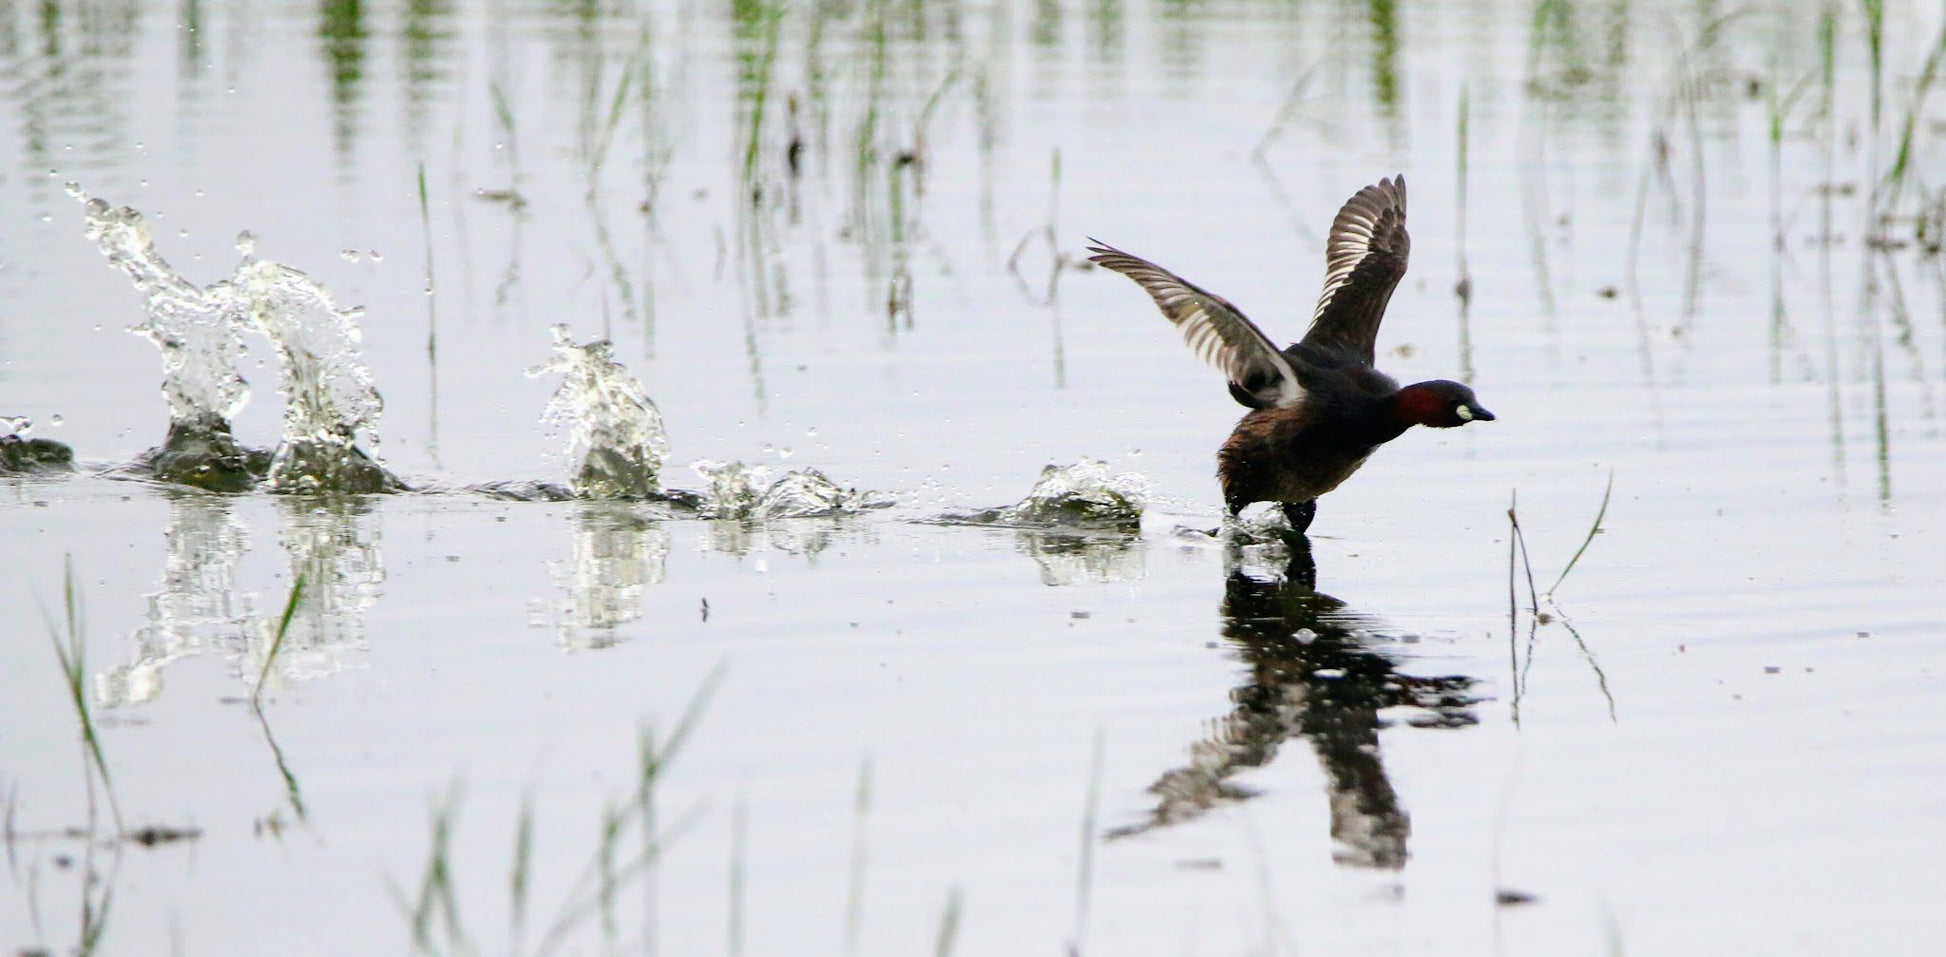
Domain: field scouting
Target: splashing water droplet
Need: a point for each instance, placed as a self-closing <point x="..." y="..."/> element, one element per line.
<point x="736" y="490"/>
<point x="616" y="442"/>
<point x="331" y="406"/>
<point x="54" y="419"/>
<point x="374" y="256"/>
<point x="350" y="255"/>
<point x="197" y="329"/>
<point x="1082" y="494"/>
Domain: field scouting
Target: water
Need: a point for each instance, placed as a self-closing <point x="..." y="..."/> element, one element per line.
<point x="330" y="403"/>
<point x="616" y="443"/>
<point x="838" y="251"/>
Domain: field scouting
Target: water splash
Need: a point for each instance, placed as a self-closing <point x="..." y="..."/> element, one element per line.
<point x="1257" y="543"/>
<point x="199" y="333"/>
<point x="20" y="454"/>
<point x="737" y="490"/>
<point x="198" y="330"/>
<point x="616" y="441"/>
<point x="1082" y="495"/>
<point x="331" y="408"/>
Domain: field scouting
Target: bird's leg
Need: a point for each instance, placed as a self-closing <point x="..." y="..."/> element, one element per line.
<point x="1300" y="514"/>
<point x="1300" y="571"/>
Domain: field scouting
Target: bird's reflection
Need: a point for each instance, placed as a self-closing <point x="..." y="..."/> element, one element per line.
<point x="1319" y="670"/>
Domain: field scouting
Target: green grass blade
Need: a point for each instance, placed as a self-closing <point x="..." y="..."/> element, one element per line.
<point x="1592" y="531"/>
<point x="277" y="643"/>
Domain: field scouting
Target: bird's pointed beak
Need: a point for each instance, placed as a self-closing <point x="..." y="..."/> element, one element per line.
<point x="1481" y="415"/>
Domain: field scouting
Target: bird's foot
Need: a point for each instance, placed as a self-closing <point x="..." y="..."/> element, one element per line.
<point x="1300" y="514"/>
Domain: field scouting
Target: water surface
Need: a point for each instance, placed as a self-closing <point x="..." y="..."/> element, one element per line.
<point x="1724" y="736"/>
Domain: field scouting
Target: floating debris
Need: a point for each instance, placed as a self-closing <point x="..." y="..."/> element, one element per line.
<point x="1082" y="495"/>
<point x="616" y="442"/>
<point x="155" y="835"/>
<point x="737" y="490"/>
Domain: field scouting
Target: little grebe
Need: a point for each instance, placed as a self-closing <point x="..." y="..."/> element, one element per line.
<point x="1319" y="408"/>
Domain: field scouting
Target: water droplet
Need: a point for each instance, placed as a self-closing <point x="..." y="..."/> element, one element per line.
<point x="74" y="189"/>
<point x="54" y="419"/>
<point x="140" y="146"/>
<point x="182" y="234"/>
<point x="351" y="255"/>
<point x="374" y="256"/>
<point x="246" y="243"/>
<point x="198" y="193"/>
<point x="47" y="217"/>
<point x="768" y="448"/>
<point x="784" y="452"/>
<point x="811" y="433"/>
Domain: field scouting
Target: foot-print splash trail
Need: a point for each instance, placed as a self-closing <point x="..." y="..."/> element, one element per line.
<point x="671" y="478"/>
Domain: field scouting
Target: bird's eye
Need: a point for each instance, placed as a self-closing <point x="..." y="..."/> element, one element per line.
<point x="1464" y="411"/>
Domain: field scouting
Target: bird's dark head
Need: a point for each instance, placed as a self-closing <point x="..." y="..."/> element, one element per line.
<point x="1440" y="403"/>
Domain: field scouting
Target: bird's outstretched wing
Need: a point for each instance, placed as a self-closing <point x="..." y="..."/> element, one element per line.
<point x="1363" y="261"/>
<point x="1215" y="330"/>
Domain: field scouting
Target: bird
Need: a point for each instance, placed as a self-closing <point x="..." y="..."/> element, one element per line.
<point x="1319" y="407"/>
